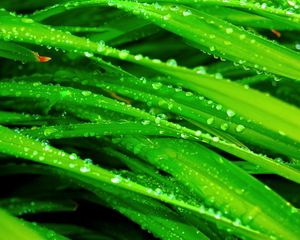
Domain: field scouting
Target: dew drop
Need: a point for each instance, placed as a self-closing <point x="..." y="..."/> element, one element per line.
<point x="123" y="54"/>
<point x="85" y="169"/>
<point x="210" y="121"/>
<point x="240" y="128"/>
<point x="183" y="135"/>
<point x="187" y="12"/>
<point x="219" y="107"/>
<point x="145" y="122"/>
<point x="224" y="126"/>
<point x="200" y="70"/>
<point x="101" y="46"/>
<point x="49" y="130"/>
<point x="156" y="85"/>
<point x="172" y="62"/>
<point x="229" y="30"/>
<point x="138" y="57"/>
<point x="73" y="156"/>
<point x="230" y="113"/>
<point x="88" y="54"/>
<point x="86" y="93"/>
<point x="27" y="20"/>
<point x="116" y="179"/>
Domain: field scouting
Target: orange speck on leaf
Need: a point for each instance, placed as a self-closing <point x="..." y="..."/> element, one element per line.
<point x="41" y="58"/>
<point x="44" y="59"/>
<point x="276" y="33"/>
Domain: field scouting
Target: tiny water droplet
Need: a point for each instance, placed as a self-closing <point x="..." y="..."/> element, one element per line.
<point x="85" y="169"/>
<point x="123" y="54"/>
<point x="86" y="93"/>
<point x="73" y="156"/>
<point x="138" y="57"/>
<point x="216" y="139"/>
<point x="240" y="128"/>
<point x="88" y="54"/>
<point x="224" y="126"/>
<point x="116" y="179"/>
<point x="156" y="85"/>
<point x="198" y="133"/>
<point x="187" y="12"/>
<point x="145" y="122"/>
<point x="219" y="107"/>
<point x="230" y="113"/>
<point x="210" y="121"/>
<point x="229" y="30"/>
<point x="172" y="62"/>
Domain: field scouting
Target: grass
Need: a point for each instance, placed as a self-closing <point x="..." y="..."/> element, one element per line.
<point x="149" y="119"/>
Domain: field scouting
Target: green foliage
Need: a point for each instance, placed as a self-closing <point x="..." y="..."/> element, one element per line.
<point x="182" y="116"/>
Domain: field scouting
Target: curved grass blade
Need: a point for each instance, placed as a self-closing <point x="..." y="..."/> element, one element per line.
<point x="14" y="228"/>
<point x="221" y="184"/>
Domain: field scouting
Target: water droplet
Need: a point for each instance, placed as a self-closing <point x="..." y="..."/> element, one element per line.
<point x="237" y="222"/>
<point x="86" y="93"/>
<point x="216" y="139"/>
<point x="229" y="30"/>
<point x="212" y="48"/>
<point x="240" y="128"/>
<point x="88" y="161"/>
<point x="263" y="5"/>
<point x="281" y="133"/>
<point x="200" y="70"/>
<point x="210" y="121"/>
<point x="167" y="17"/>
<point x="145" y="122"/>
<point x="85" y="169"/>
<point x="219" y="76"/>
<point x="198" y="133"/>
<point x="230" y="113"/>
<point x="162" y="116"/>
<point x="224" y="126"/>
<point x="138" y="57"/>
<point x="219" y="107"/>
<point x="174" y="7"/>
<point x="101" y="46"/>
<point x="242" y="36"/>
<point x="27" y="20"/>
<point x="123" y="54"/>
<point x="73" y="156"/>
<point x="187" y="12"/>
<point x="116" y="179"/>
<point x="72" y="165"/>
<point x="49" y="130"/>
<point x="183" y="135"/>
<point x="172" y="62"/>
<point x="88" y="54"/>
<point x="156" y="85"/>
